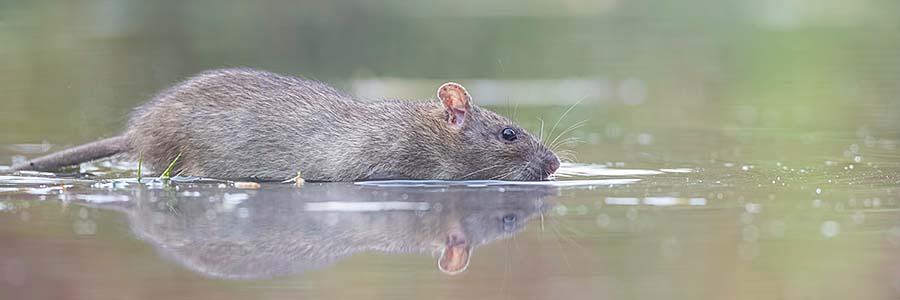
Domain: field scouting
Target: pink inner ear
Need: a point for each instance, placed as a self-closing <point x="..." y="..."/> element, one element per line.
<point x="456" y="100"/>
<point x="456" y="117"/>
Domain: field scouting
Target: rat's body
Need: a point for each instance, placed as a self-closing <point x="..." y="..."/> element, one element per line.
<point x="240" y="123"/>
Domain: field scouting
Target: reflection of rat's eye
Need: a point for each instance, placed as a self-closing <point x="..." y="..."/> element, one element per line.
<point x="510" y="218"/>
<point x="509" y="134"/>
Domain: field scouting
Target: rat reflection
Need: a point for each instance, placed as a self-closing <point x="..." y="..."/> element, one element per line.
<point x="283" y="231"/>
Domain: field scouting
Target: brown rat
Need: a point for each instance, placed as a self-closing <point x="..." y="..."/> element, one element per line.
<point x="242" y="123"/>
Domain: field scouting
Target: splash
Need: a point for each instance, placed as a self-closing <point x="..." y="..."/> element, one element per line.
<point x="567" y="170"/>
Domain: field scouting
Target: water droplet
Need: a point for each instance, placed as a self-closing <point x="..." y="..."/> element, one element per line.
<point x="754" y="208"/>
<point x="818" y="191"/>
<point x="857" y="158"/>
<point x="830" y="228"/>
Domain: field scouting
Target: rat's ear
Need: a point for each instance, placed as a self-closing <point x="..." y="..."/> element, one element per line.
<point x="455" y="257"/>
<point x="456" y="100"/>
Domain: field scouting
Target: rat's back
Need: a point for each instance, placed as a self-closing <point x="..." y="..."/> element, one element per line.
<point x="237" y="123"/>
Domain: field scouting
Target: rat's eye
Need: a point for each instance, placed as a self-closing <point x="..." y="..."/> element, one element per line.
<point x="509" y="134"/>
<point x="510" y="218"/>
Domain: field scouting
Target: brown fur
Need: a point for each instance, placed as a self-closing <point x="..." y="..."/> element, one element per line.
<point x="241" y="123"/>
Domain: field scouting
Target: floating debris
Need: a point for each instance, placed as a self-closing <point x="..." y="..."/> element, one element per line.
<point x="247" y="185"/>
<point x="297" y="180"/>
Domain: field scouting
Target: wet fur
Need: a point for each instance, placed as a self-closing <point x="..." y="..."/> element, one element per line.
<point x="242" y="123"/>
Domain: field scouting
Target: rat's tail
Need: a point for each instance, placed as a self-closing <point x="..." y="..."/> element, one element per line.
<point x="77" y="155"/>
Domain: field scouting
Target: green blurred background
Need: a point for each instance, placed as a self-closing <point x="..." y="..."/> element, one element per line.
<point x="72" y="70"/>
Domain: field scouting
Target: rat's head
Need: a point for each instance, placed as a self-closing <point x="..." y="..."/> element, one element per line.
<point x="491" y="146"/>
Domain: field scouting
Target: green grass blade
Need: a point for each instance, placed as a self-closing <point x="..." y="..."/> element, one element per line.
<point x="140" y="163"/>
<point x="165" y="175"/>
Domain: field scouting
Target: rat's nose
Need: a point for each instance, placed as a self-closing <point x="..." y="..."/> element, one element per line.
<point x="552" y="165"/>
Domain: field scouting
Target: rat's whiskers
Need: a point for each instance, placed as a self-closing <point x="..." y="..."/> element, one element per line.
<point x="565" y="114"/>
<point x="570" y="129"/>
<point x="481" y="170"/>
<point x="541" y="136"/>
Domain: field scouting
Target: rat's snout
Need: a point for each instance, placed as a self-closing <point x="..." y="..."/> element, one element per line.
<point x="551" y="164"/>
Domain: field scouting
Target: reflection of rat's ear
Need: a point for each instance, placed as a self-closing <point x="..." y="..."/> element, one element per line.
<point x="455" y="258"/>
<point x="456" y="100"/>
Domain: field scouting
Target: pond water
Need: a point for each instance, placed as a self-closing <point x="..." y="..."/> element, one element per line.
<point x="648" y="228"/>
<point x="714" y="149"/>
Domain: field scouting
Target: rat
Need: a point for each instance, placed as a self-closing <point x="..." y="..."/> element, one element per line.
<point x="252" y="124"/>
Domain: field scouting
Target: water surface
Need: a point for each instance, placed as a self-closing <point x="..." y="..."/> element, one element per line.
<point x="827" y="229"/>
